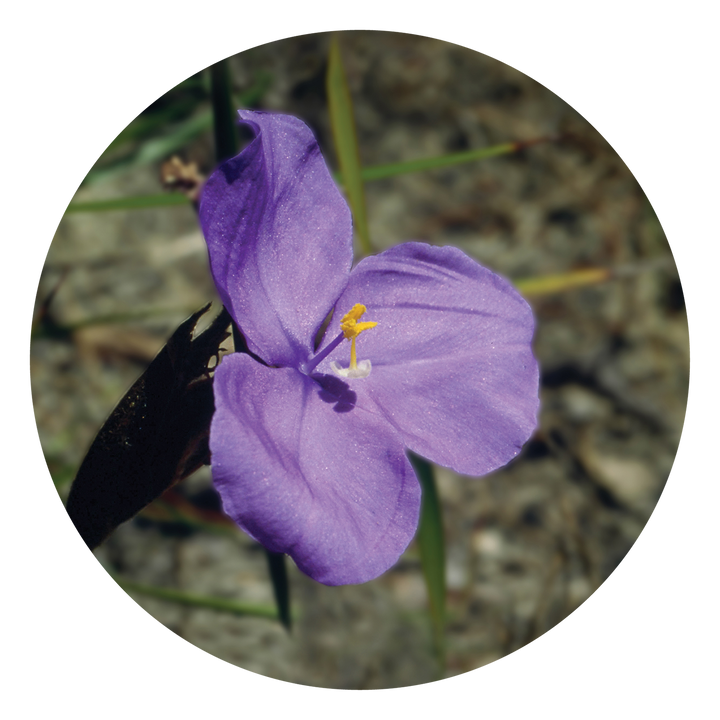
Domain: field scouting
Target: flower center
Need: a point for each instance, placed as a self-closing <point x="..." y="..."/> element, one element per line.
<point x="351" y="328"/>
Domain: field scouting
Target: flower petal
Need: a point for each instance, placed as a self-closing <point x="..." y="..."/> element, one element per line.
<point x="305" y="472"/>
<point x="452" y="364"/>
<point x="279" y="235"/>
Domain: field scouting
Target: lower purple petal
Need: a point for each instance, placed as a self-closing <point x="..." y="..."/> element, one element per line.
<point x="306" y="472"/>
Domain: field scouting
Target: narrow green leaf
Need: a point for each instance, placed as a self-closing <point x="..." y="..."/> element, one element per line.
<point x="346" y="145"/>
<point x="549" y="284"/>
<point x="224" y="125"/>
<point x="380" y="172"/>
<point x="431" y="543"/>
<point x="140" y="202"/>
<point x="277" y="566"/>
<point x="200" y="601"/>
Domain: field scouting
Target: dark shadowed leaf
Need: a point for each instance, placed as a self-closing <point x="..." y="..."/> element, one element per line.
<point x="156" y="435"/>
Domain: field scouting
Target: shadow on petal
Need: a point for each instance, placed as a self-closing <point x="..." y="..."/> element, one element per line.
<point x="335" y="391"/>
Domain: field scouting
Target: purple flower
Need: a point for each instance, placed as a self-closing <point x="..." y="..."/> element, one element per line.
<point x="309" y="449"/>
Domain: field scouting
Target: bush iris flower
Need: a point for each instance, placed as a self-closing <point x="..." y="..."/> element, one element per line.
<point x="426" y="351"/>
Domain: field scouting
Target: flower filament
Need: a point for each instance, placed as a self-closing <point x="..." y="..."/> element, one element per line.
<point x="352" y="328"/>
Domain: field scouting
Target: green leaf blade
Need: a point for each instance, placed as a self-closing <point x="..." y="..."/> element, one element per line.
<point x="431" y="543"/>
<point x="346" y="145"/>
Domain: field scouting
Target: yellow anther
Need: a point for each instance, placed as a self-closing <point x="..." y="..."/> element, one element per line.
<point x="352" y="328"/>
<point x="349" y="324"/>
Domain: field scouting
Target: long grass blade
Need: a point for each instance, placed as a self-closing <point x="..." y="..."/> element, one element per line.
<point x="139" y="202"/>
<point x="224" y="124"/>
<point x="346" y="145"/>
<point x="431" y="543"/>
<point x="198" y="601"/>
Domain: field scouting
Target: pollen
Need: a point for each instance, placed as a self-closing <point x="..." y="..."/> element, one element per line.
<point x="349" y="324"/>
<point x="351" y="329"/>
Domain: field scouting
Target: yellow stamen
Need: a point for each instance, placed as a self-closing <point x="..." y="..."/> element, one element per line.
<point x="352" y="328"/>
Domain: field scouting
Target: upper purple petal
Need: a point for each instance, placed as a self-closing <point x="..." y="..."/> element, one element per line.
<point x="279" y="236"/>
<point x="452" y="366"/>
<point x="306" y="472"/>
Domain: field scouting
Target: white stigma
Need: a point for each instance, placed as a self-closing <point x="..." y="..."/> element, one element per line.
<point x="361" y="371"/>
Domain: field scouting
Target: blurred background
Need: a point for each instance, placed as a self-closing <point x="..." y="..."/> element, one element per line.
<point x="561" y="215"/>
